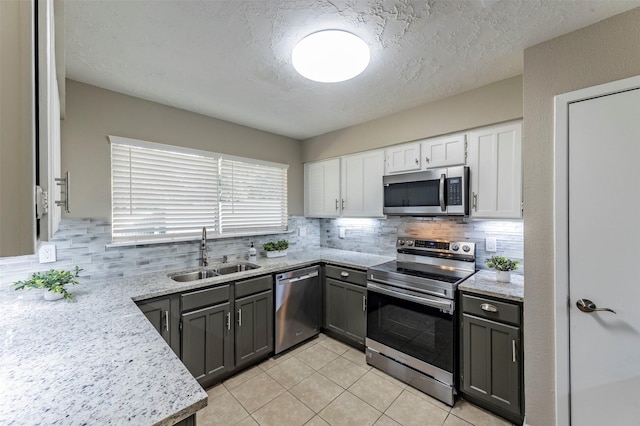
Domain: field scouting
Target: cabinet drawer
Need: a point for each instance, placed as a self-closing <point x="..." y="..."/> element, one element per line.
<point x="206" y="297"/>
<point x="346" y="274"/>
<point x="253" y="286"/>
<point x="504" y="311"/>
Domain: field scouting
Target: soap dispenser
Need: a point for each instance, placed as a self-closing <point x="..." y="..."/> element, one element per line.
<point x="252" y="253"/>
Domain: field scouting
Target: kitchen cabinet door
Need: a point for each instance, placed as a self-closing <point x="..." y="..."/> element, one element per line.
<point x="207" y="342"/>
<point x="496" y="171"/>
<point x="163" y="315"/>
<point x="402" y="158"/>
<point x="322" y="188"/>
<point x="361" y="177"/>
<point x="444" y="151"/>
<point x="254" y="327"/>
<point x="491" y="363"/>
<point x="345" y="310"/>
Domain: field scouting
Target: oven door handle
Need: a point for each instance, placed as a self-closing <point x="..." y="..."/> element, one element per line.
<point x="377" y="288"/>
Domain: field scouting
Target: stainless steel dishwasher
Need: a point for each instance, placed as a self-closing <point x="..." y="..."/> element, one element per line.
<point x="297" y="306"/>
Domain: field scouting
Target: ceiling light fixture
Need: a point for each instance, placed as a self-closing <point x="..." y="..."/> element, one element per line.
<point x="330" y="56"/>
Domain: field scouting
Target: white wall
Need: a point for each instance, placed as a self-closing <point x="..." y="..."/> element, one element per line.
<point x="93" y="113"/>
<point x="493" y="103"/>
<point x="603" y="52"/>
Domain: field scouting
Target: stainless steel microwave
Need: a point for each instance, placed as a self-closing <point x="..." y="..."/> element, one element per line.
<point x="438" y="192"/>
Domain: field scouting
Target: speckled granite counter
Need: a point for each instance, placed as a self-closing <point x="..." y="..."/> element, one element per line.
<point x="484" y="282"/>
<point x="97" y="360"/>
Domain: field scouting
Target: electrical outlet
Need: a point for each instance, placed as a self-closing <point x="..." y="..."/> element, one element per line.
<point x="47" y="253"/>
<point x="302" y="231"/>
<point x="343" y="232"/>
<point x="491" y="244"/>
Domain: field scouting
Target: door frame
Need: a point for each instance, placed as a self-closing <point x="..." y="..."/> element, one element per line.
<point x="561" y="234"/>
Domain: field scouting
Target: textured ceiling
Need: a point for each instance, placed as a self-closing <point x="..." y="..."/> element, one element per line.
<point x="232" y="59"/>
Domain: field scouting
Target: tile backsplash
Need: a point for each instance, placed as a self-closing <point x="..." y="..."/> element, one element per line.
<point x="378" y="236"/>
<point x="83" y="242"/>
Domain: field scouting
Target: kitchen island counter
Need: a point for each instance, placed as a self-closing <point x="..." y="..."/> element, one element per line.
<point x="97" y="360"/>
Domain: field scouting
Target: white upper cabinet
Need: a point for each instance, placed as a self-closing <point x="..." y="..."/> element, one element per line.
<point x="495" y="164"/>
<point x="322" y="188"/>
<point x="350" y="186"/>
<point x="402" y="158"/>
<point x="362" y="184"/>
<point x="444" y="151"/>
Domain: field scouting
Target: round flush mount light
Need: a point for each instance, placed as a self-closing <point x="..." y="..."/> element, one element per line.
<point x="330" y="56"/>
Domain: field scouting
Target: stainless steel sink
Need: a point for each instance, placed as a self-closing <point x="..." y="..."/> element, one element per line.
<point x="214" y="272"/>
<point x="238" y="267"/>
<point x="195" y="276"/>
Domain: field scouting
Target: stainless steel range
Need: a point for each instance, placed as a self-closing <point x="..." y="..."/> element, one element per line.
<point x="412" y="325"/>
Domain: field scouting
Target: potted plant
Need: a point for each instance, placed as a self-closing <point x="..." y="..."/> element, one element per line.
<point x="503" y="267"/>
<point x="276" y="249"/>
<point x="53" y="282"/>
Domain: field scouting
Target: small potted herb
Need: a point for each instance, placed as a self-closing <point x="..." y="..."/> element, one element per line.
<point x="53" y="282"/>
<point x="276" y="249"/>
<point x="503" y="267"/>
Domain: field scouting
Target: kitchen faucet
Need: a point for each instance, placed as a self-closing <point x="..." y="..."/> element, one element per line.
<point x="204" y="258"/>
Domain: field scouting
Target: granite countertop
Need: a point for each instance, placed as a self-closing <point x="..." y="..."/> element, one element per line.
<point x="484" y="282"/>
<point x="97" y="360"/>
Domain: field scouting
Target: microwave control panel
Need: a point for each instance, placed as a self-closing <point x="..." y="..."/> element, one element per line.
<point x="454" y="191"/>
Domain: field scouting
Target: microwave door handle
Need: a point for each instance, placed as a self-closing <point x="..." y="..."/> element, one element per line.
<point x="443" y="178"/>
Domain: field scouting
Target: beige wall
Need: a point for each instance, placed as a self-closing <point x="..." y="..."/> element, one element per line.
<point x="493" y="103"/>
<point x="93" y="113"/>
<point x="17" y="181"/>
<point x="603" y="52"/>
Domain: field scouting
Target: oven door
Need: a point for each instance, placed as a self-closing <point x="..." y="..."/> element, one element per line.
<point x="416" y="326"/>
<point x="415" y="193"/>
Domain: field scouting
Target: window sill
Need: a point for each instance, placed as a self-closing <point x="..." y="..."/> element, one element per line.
<point x="125" y="244"/>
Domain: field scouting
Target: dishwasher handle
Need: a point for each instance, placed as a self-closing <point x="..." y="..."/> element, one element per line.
<point x="296" y="279"/>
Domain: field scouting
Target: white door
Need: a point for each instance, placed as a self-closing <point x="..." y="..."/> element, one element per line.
<point x="403" y="158"/>
<point x="322" y="188"/>
<point x="604" y="259"/>
<point x="444" y="151"/>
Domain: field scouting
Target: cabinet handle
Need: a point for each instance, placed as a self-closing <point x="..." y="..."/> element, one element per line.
<point x="513" y="350"/>
<point x="240" y="317"/>
<point x="417" y="161"/>
<point x="344" y="274"/>
<point x="65" y="183"/>
<point x="487" y="307"/>
<point x="337" y="204"/>
<point x="228" y="320"/>
<point x="343" y="204"/>
<point x="475" y="201"/>
<point x="166" y="320"/>
<point x="426" y="159"/>
<point x="364" y="303"/>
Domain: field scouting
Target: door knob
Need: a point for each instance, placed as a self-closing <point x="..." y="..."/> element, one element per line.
<point x="586" y="305"/>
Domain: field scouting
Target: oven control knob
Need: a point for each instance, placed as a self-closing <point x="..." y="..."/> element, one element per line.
<point x="466" y="248"/>
<point x="401" y="242"/>
<point x="409" y="243"/>
<point x="455" y="247"/>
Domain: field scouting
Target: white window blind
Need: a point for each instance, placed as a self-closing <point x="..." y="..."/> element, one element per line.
<point x="161" y="192"/>
<point x="253" y="197"/>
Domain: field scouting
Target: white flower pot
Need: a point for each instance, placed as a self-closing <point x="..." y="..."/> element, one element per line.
<point x="277" y="253"/>
<point x="49" y="295"/>
<point x="503" y="276"/>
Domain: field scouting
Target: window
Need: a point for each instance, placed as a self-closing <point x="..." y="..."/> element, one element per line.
<point x="165" y="193"/>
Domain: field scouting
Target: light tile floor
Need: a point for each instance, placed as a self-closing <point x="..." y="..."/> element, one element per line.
<point x="325" y="382"/>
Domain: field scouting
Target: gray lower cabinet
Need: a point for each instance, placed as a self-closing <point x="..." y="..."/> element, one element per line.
<point x="345" y="304"/>
<point x="163" y="313"/>
<point x="254" y="327"/>
<point x="207" y="334"/>
<point x="491" y="366"/>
